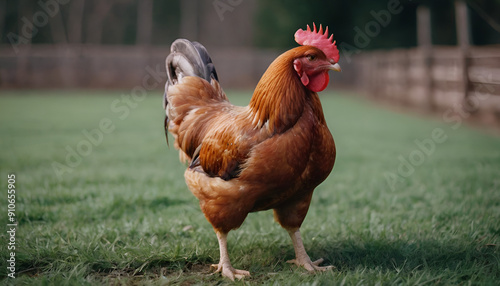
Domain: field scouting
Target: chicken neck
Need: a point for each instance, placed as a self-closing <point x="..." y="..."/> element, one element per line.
<point x="279" y="98"/>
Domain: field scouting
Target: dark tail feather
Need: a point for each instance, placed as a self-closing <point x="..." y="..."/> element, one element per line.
<point x="166" y="129"/>
<point x="210" y="71"/>
<point x="187" y="58"/>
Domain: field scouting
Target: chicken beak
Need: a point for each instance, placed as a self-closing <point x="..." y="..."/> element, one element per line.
<point x="335" y="67"/>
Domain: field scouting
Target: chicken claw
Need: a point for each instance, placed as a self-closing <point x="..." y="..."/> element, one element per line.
<point x="224" y="266"/>
<point x="229" y="272"/>
<point x="302" y="259"/>
<point x="311" y="266"/>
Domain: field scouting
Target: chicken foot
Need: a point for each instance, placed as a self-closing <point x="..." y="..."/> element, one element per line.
<point x="224" y="266"/>
<point x="301" y="257"/>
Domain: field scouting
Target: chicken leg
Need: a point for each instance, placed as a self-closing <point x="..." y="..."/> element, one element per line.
<point x="301" y="257"/>
<point x="224" y="266"/>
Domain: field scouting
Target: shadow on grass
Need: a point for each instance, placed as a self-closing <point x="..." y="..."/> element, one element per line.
<point x="451" y="261"/>
<point x="405" y="256"/>
<point x="399" y="256"/>
<point x="435" y="259"/>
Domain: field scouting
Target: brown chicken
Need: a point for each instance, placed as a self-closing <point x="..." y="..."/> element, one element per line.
<point x="270" y="154"/>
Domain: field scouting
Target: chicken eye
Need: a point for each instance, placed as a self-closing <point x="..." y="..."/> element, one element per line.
<point x="311" y="57"/>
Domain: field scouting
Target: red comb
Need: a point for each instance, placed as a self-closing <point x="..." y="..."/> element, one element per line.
<point x="319" y="40"/>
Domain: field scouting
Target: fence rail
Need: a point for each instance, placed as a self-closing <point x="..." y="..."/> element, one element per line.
<point x="436" y="79"/>
<point x="122" y="67"/>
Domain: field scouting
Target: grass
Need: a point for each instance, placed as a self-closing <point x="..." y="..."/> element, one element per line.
<point x="123" y="215"/>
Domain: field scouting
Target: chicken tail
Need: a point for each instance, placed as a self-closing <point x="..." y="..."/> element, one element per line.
<point x="189" y="59"/>
<point x="186" y="58"/>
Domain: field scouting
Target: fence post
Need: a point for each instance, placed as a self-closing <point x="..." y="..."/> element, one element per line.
<point x="463" y="39"/>
<point x="424" y="37"/>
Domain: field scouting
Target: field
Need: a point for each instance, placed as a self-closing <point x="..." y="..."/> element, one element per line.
<point x="101" y="199"/>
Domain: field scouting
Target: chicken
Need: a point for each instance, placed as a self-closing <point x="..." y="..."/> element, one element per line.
<point x="270" y="154"/>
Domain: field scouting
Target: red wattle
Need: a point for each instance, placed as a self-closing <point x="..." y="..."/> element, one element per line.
<point x="318" y="82"/>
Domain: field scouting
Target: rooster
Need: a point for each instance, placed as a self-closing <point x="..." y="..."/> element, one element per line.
<point x="270" y="154"/>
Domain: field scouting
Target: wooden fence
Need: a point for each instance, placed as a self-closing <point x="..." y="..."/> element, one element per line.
<point x="436" y="79"/>
<point x="118" y="67"/>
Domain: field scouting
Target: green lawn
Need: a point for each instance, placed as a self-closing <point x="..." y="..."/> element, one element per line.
<point x="409" y="201"/>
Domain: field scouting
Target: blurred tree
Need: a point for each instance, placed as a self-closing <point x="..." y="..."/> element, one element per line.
<point x="75" y="21"/>
<point x="95" y="21"/>
<point x="159" y="22"/>
<point x="2" y="18"/>
<point x="57" y="27"/>
<point x="190" y="19"/>
<point x="485" y="23"/>
<point x="166" y="21"/>
<point x="144" y="22"/>
<point x="443" y="22"/>
<point x="120" y="25"/>
<point x="25" y="13"/>
<point x="276" y="21"/>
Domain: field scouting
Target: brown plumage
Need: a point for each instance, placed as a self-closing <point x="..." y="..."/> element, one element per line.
<point x="270" y="154"/>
